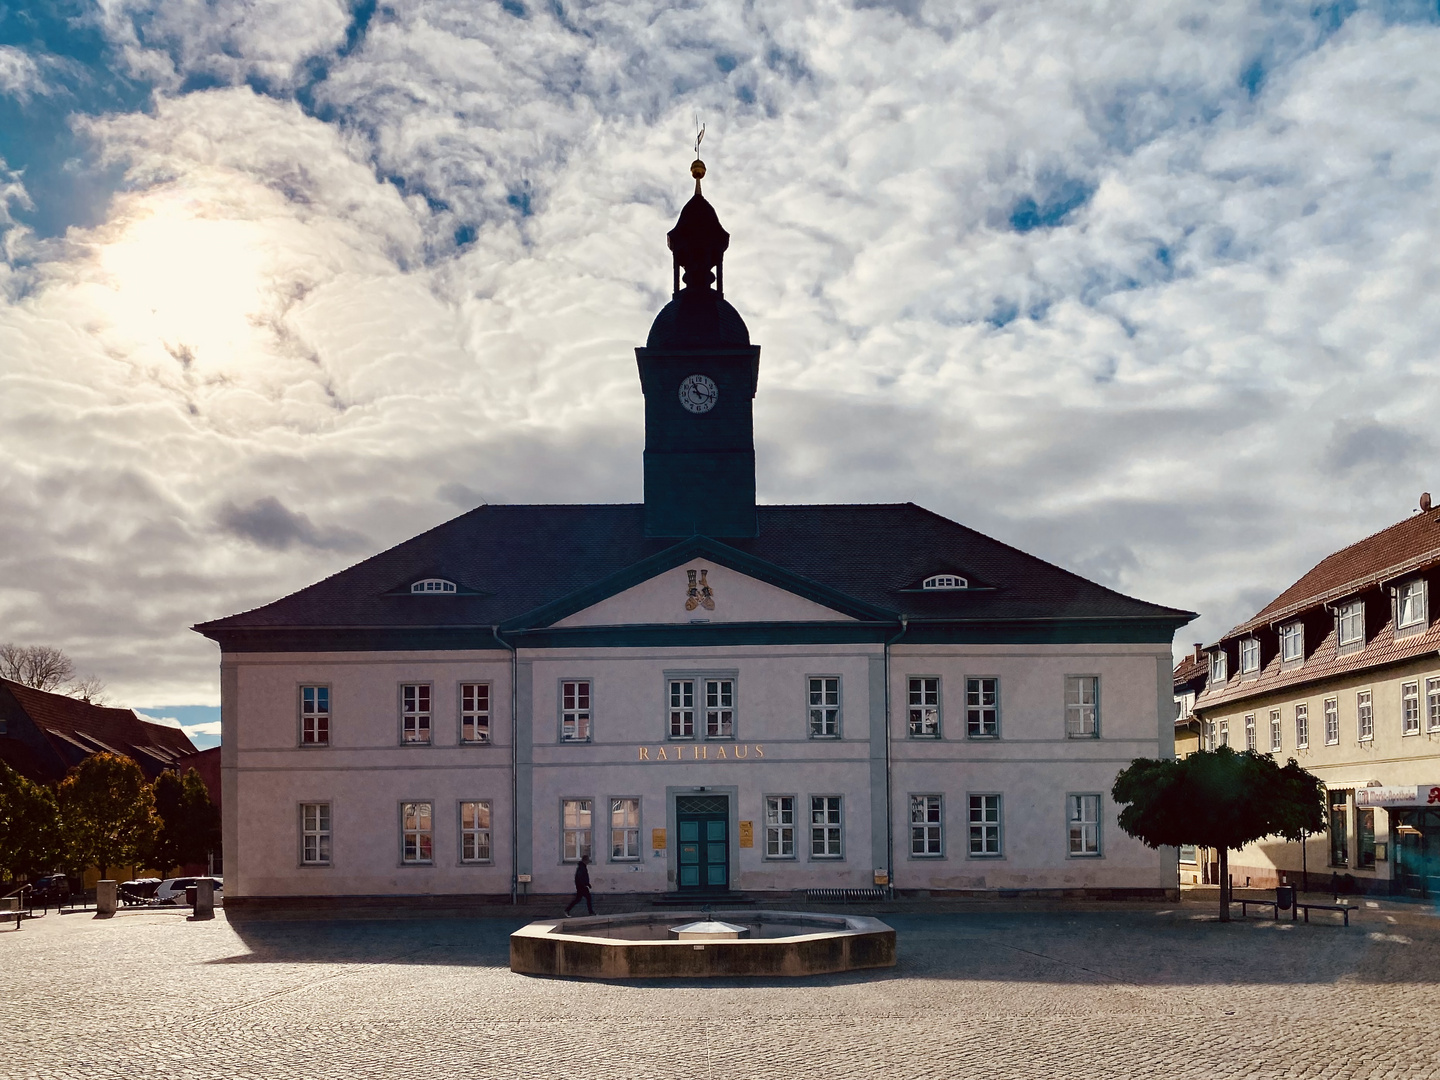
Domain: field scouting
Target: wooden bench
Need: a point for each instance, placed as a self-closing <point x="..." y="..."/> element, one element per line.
<point x="1344" y="909"/>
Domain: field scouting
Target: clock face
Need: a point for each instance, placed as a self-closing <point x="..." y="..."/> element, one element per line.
<point x="698" y="393"/>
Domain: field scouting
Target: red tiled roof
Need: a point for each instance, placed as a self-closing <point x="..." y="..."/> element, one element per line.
<point x="1191" y="668"/>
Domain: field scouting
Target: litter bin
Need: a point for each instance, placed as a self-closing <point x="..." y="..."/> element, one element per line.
<point x="190" y="896"/>
<point x="1285" y="897"/>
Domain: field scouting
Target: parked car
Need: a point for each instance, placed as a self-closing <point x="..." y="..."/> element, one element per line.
<point x="138" y="890"/>
<point x="172" y="890"/>
<point x="52" y="890"/>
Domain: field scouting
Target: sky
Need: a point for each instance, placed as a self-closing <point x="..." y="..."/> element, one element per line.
<point x="1146" y="289"/>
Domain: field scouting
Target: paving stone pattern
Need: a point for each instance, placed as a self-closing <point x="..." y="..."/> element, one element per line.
<point x="1132" y="991"/>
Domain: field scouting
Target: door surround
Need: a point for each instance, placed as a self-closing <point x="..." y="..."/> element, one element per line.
<point x="672" y="833"/>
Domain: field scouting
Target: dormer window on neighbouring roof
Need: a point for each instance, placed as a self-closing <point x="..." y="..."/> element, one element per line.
<point x="1249" y="655"/>
<point x="432" y="585"/>
<point x="1350" y="619"/>
<point x="1410" y="604"/>
<point x="1217" y="666"/>
<point x="1292" y="641"/>
<point x="944" y="581"/>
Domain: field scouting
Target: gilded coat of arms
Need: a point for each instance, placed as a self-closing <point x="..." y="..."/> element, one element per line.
<point x="698" y="595"/>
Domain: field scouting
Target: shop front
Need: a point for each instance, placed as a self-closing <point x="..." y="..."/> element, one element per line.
<point x="1415" y="834"/>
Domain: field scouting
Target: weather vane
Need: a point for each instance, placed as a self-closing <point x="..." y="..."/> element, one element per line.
<point x="697" y="167"/>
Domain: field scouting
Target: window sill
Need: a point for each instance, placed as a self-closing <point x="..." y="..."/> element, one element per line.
<point x="313" y="746"/>
<point x="1096" y="855"/>
<point x="476" y="862"/>
<point x="926" y="736"/>
<point x="984" y="738"/>
<point x="825" y="738"/>
<point x="581" y="742"/>
<point x="974" y="855"/>
<point x="1089" y="735"/>
<point x="416" y="865"/>
<point x="1407" y="734"/>
<point x="780" y="858"/>
<point x="475" y="742"/>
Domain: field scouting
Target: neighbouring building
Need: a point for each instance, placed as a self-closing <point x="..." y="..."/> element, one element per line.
<point x="1198" y="865"/>
<point x="701" y="694"/>
<point x="1340" y="672"/>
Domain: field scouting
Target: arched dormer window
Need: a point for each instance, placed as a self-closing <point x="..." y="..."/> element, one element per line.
<point x="432" y="585"/>
<point x="944" y="581"/>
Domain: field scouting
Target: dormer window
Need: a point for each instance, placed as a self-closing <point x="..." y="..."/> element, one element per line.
<point x="942" y="582"/>
<point x="1410" y="604"/>
<point x="432" y="585"/>
<point x="1350" y="620"/>
<point x="1249" y="655"/>
<point x="1217" y="666"/>
<point x="1292" y="641"/>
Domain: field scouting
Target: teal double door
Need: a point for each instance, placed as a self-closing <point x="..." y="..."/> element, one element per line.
<point x="703" y="824"/>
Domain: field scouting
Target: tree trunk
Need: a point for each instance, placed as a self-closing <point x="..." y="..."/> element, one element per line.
<point x="1224" y="885"/>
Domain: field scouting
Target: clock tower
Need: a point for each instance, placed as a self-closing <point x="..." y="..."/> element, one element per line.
<point x="698" y="371"/>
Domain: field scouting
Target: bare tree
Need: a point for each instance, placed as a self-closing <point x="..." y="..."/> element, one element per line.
<point x="90" y="689"/>
<point x="41" y="666"/>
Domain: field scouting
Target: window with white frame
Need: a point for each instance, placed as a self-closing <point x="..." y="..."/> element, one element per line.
<point x="719" y="708"/>
<point x="624" y="829"/>
<point x="1217" y="666"/>
<point x="1274" y="731"/>
<point x="1302" y="727"/>
<point x="1332" y="721"/>
<point x="1250" y="731"/>
<point x="825" y="827"/>
<point x="432" y="586"/>
<point x="1410" y="708"/>
<point x="1082" y="706"/>
<point x="576" y="828"/>
<point x="1187" y="853"/>
<point x="1249" y="655"/>
<point x="924" y="707"/>
<point x="682" y="708"/>
<point x="1210" y="735"/>
<point x="982" y="708"/>
<point x="415" y="713"/>
<point x="1292" y="641"/>
<point x="824" y="707"/>
<point x="944" y="581"/>
<point x="475" y="832"/>
<point x="1364" y="715"/>
<point x="417" y="833"/>
<point x="1350" y="618"/>
<point x="314" y="716"/>
<point x="779" y="826"/>
<point x="927" y="825"/>
<point x="1224" y="732"/>
<point x="1084" y="823"/>
<point x="1410" y="605"/>
<point x="1432" y="704"/>
<point x="475" y="712"/>
<point x="575" y="710"/>
<point x="315" y="834"/>
<point x="984" y="825"/>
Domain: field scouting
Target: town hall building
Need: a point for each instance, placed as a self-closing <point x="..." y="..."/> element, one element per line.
<point x="701" y="694"/>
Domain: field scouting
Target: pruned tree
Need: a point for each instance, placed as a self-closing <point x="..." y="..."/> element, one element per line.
<point x="107" y="813"/>
<point x="1218" y="798"/>
<point x="189" y="822"/>
<point x="30" y="841"/>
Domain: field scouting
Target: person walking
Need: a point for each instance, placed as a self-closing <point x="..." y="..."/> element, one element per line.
<point x="582" y="886"/>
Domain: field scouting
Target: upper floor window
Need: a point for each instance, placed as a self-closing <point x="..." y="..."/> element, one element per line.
<point x="1332" y="721"/>
<point x="1249" y="655"/>
<point x="314" y="716"/>
<point x="982" y="708"/>
<point x="1410" y="604"/>
<point x="719" y="708"/>
<point x="1274" y="731"/>
<point x="1365" y="715"/>
<point x="1292" y="641"/>
<point x="1082" y="706"/>
<point x="1410" y="708"/>
<point x="925" y="708"/>
<point x="1350" y="618"/>
<point x="1250" y="731"/>
<point x="1302" y="727"/>
<point x="944" y="581"/>
<point x="415" y="713"/>
<point x="575" y="710"/>
<point x="474" y="712"/>
<point x="433" y="585"/>
<point x="682" y="708"/>
<point x="824" y="707"/>
<point x="1217" y="666"/>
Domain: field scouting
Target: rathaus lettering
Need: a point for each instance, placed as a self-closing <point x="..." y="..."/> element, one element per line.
<point x="702" y="752"/>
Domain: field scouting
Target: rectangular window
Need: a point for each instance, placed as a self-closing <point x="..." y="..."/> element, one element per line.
<point x="825" y="826"/>
<point x="925" y="708"/>
<point x="1224" y="732"/>
<point x="1249" y="655"/>
<point x="1084" y="824"/>
<point x="927" y="823"/>
<point x="719" y="708"/>
<point x="1187" y="853"/>
<point x="1332" y="721"/>
<point x="1082" y="706"/>
<point x="1410" y="708"/>
<point x="415" y="712"/>
<point x="315" y="834"/>
<point x="1364" y="715"/>
<point x="1302" y="727"/>
<point x="1250" y="731"/>
<point x="1339" y="829"/>
<point x="1217" y="666"/>
<point x="417" y="833"/>
<point x="982" y="708"/>
<point x="1432" y="704"/>
<point x="1365" y="838"/>
<point x="475" y="832"/>
<point x="1274" y="731"/>
<point x="779" y="826"/>
<point x="682" y="708"/>
<point x="314" y="716"/>
<point x="1292" y="641"/>
<point x="984" y="825"/>
<point x="475" y="712"/>
<point x="1210" y="735"/>
<point x="575" y="711"/>
<point x="624" y="829"/>
<point x="824" y="708"/>
<point x="1351" y="621"/>
<point x="575" y="815"/>
<point x="1410" y="604"/>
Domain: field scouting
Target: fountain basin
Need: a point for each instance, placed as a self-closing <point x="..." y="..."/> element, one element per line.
<point x="645" y="945"/>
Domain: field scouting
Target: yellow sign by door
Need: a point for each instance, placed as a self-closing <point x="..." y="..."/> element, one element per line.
<point x="657" y="839"/>
<point x="747" y="834"/>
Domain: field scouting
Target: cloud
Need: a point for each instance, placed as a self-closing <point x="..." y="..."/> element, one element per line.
<point x="269" y="524"/>
<point x="20" y="74"/>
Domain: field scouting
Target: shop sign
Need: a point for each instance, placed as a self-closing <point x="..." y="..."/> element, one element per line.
<point x="747" y="834"/>
<point x="1421" y="795"/>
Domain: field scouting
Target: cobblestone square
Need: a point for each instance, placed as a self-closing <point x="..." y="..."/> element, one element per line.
<point x="1118" y="991"/>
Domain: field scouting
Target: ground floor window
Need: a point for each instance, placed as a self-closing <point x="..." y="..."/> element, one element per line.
<point x="779" y="826"/>
<point x="315" y="834"/>
<point x="475" y="832"/>
<point x="1187" y="853"/>
<point x="1339" y="830"/>
<point x="984" y="825"/>
<point x="1084" y="824"/>
<point x="624" y="828"/>
<point x="927" y="823"/>
<point x="1365" y="838"/>
<point x="417" y="833"/>
<point x="825" y="827"/>
<point x="575" y="816"/>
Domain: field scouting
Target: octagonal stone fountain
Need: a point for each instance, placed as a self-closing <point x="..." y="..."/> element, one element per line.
<point x="695" y="945"/>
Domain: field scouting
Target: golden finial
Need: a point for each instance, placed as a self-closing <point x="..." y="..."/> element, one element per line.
<point x="697" y="167"/>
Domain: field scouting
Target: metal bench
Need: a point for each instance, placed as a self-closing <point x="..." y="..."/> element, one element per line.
<point x="1344" y="909"/>
<point x="845" y="896"/>
<point x="1273" y="905"/>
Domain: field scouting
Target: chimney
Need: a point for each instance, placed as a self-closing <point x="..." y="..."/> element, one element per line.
<point x="1424" y="502"/>
<point x="1199" y="651"/>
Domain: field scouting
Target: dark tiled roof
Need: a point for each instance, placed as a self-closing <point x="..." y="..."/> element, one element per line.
<point x="510" y="560"/>
<point x="1190" y="669"/>
<point x="1406" y="546"/>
